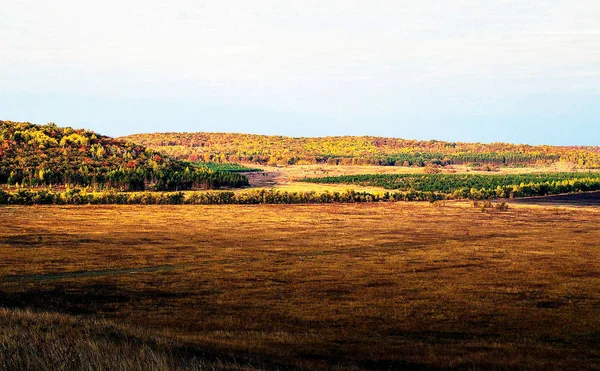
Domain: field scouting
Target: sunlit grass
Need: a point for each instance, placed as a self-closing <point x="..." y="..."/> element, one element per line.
<point x="318" y="286"/>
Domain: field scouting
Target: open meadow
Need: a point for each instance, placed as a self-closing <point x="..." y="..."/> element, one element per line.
<point x="352" y="286"/>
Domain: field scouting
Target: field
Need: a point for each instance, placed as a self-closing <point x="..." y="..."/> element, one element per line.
<point x="292" y="178"/>
<point x="360" y="286"/>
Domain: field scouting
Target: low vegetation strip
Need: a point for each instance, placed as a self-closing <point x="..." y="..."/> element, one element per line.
<point x="272" y="196"/>
<point x="250" y="197"/>
<point x="475" y="186"/>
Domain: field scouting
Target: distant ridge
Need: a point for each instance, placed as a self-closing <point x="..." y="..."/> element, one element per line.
<point x="357" y="150"/>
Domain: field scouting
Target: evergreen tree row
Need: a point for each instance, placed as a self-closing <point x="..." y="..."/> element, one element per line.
<point x="448" y="183"/>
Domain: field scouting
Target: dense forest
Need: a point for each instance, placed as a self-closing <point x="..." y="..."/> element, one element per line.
<point x="279" y="150"/>
<point x="48" y="155"/>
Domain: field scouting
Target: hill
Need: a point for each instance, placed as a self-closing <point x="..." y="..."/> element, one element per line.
<point x="350" y="150"/>
<point x="48" y="155"/>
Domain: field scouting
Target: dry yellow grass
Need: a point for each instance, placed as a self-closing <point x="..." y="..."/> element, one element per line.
<point x="323" y="286"/>
<point x="52" y="341"/>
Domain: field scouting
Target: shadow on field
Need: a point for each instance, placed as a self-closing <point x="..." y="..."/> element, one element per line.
<point x="578" y="199"/>
<point x="90" y="299"/>
<point x="105" y="300"/>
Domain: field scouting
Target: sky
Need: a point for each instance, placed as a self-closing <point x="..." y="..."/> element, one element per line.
<point x="484" y="71"/>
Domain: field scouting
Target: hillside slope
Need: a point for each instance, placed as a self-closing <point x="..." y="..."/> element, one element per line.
<point x="349" y="150"/>
<point x="38" y="155"/>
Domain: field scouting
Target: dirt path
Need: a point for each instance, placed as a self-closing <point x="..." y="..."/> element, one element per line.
<point x="263" y="179"/>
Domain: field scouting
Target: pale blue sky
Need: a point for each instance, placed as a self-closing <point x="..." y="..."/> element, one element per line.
<point x="504" y="70"/>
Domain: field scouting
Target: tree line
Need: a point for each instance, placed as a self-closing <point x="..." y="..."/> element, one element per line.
<point x="251" y="197"/>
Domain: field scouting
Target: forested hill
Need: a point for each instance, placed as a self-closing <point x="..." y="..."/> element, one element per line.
<point x="262" y="149"/>
<point x="48" y="155"/>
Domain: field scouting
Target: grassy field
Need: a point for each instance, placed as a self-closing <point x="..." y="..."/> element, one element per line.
<point x="366" y="286"/>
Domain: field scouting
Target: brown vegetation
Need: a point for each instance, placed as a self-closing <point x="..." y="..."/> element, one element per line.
<point x="321" y="286"/>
